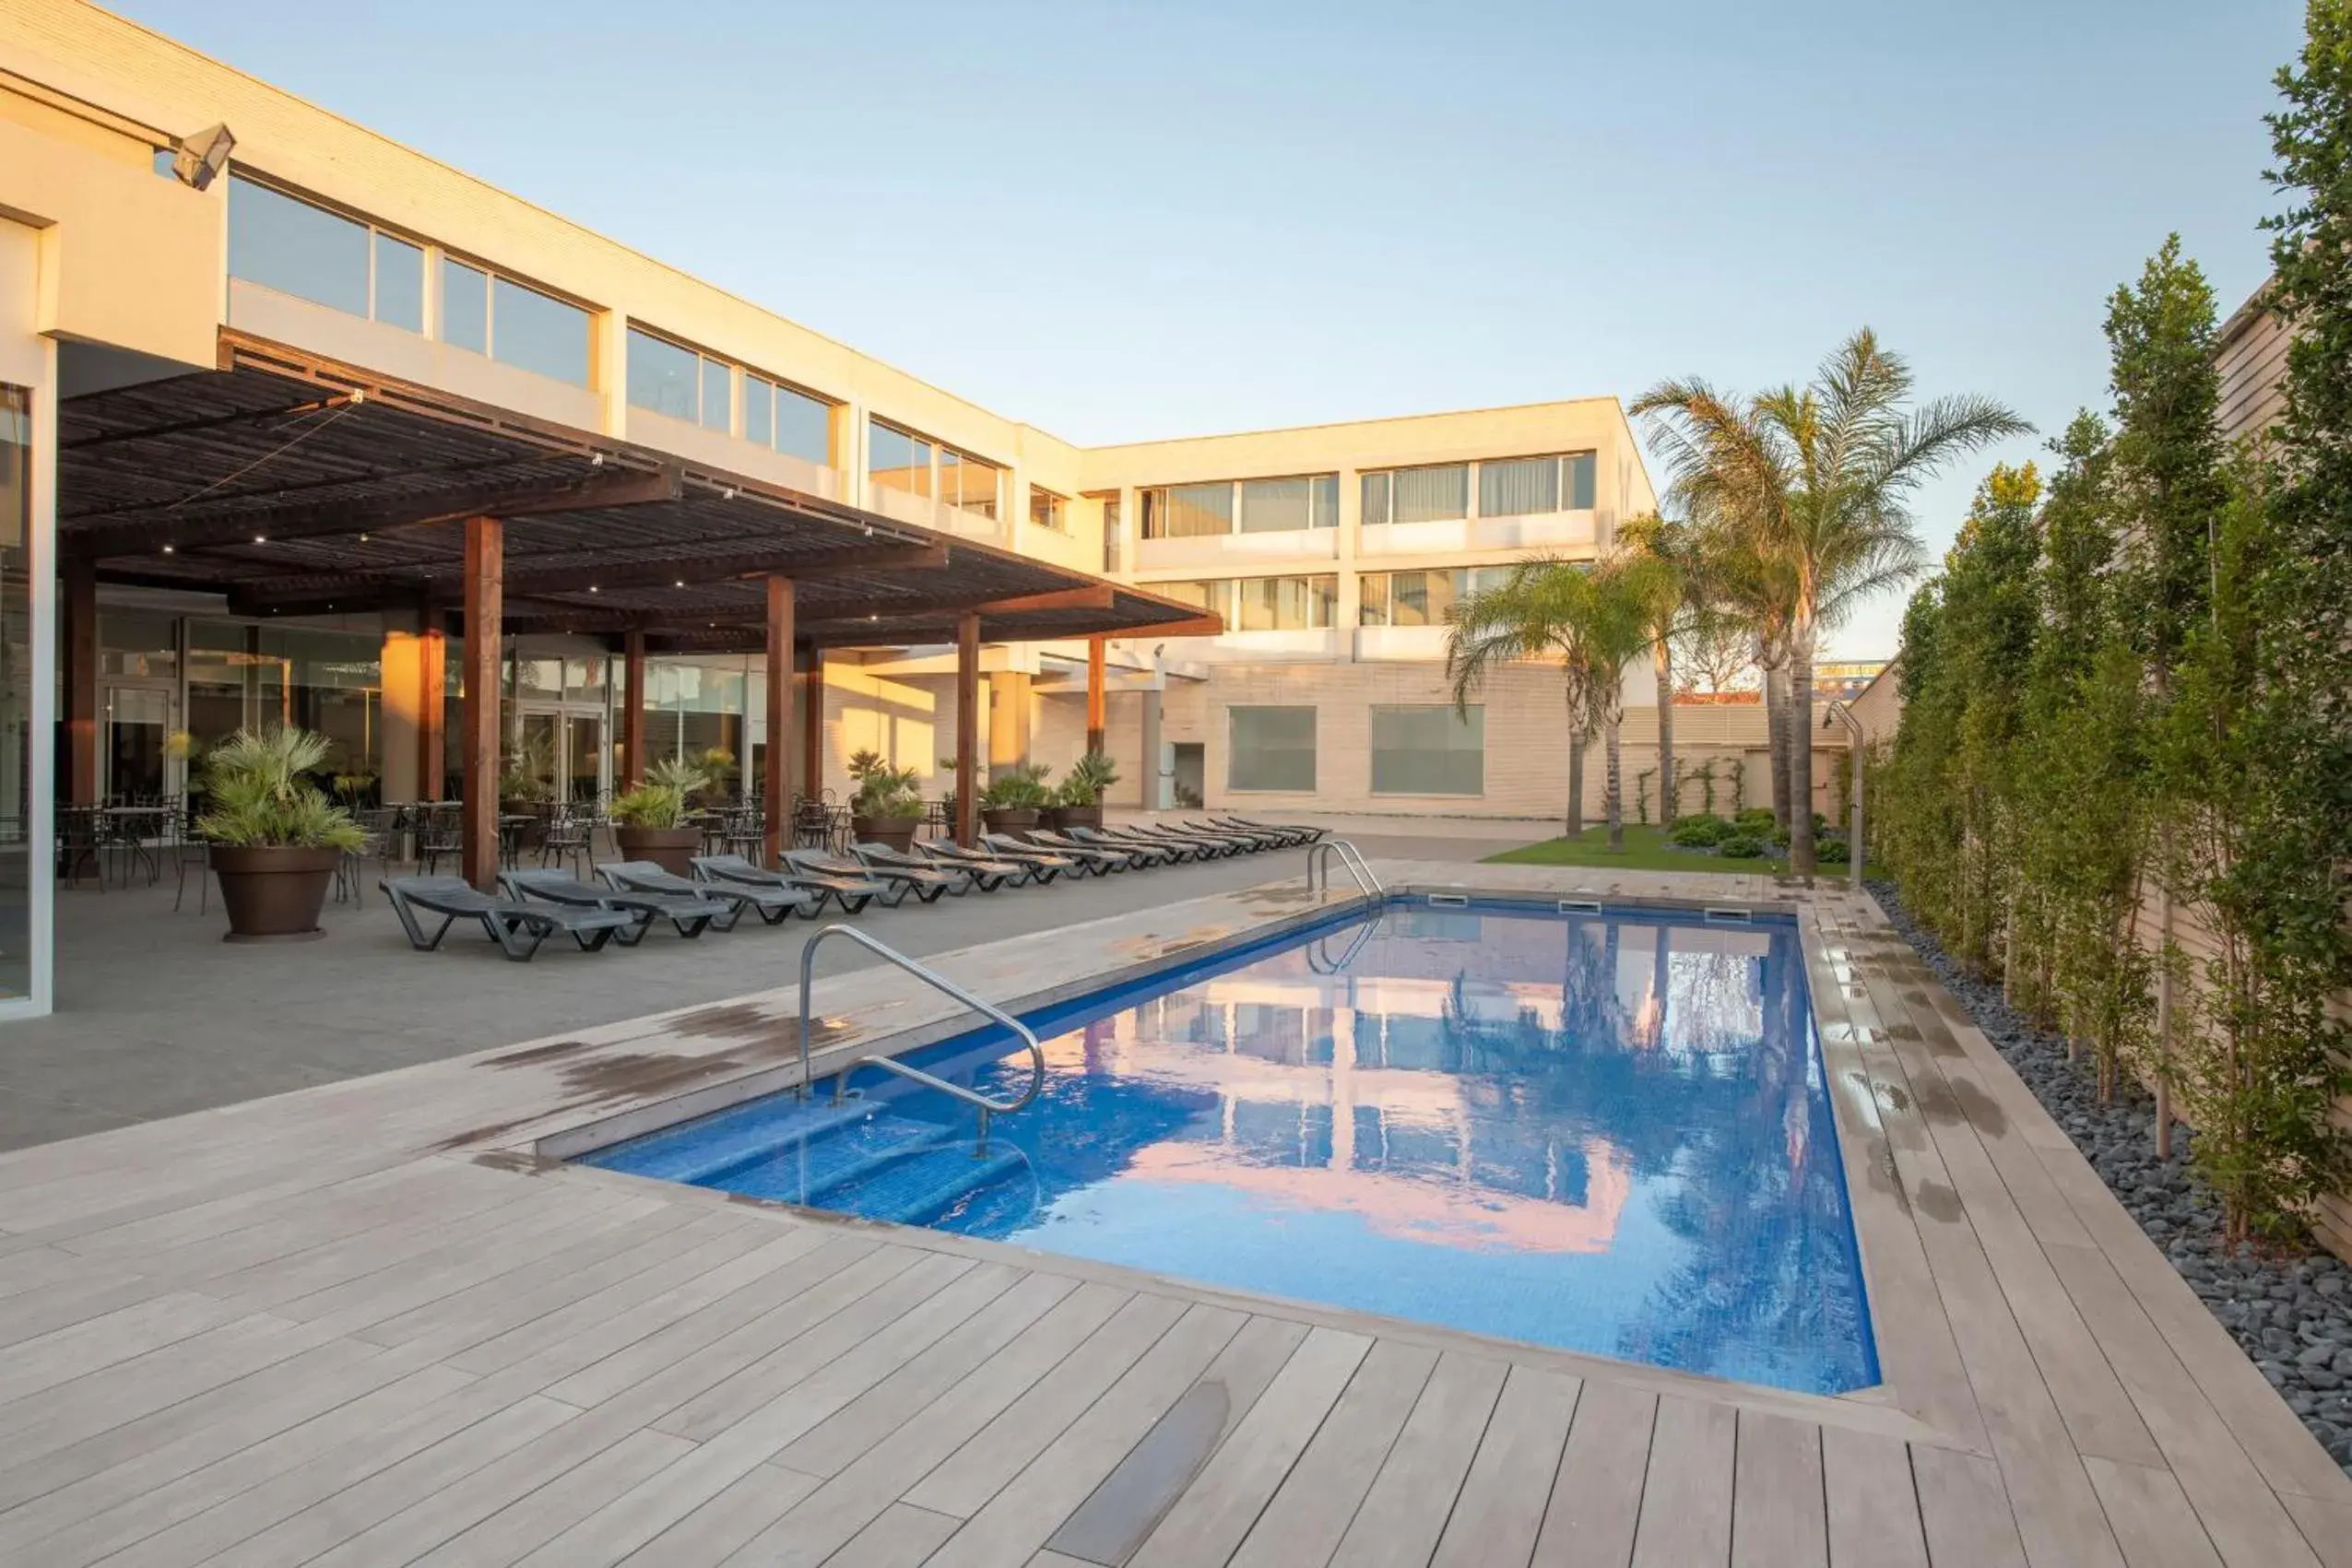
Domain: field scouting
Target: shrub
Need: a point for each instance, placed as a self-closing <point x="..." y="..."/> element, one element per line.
<point x="661" y="802"/>
<point x="884" y="791"/>
<point x="258" y="795"/>
<point x="1833" y="851"/>
<point x="1087" y="779"/>
<point x="1754" y="819"/>
<point x="1700" y="833"/>
<point x="1740" y="846"/>
<point x="1019" y="789"/>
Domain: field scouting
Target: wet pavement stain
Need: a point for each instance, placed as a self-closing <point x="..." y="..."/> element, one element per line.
<point x="1153" y="946"/>
<point x="1939" y="1104"/>
<point x="531" y="1055"/>
<point x="1983" y="1112"/>
<point x="626" y="1075"/>
<point x="521" y="1161"/>
<point x="1939" y="1202"/>
<point x="490" y="1130"/>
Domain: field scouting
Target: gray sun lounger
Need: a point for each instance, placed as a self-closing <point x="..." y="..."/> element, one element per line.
<point x="1169" y="851"/>
<point x="1103" y="860"/>
<point x="884" y="861"/>
<point x="852" y="893"/>
<point x="1256" y="838"/>
<point x="988" y="872"/>
<point x="1044" y="864"/>
<point x="773" y="905"/>
<point x="851" y="885"/>
<point x="1207" y="847"/>
<point x="1298" y="832"/>
<point x="517" y="928"/>
<point x="691" y="916"/>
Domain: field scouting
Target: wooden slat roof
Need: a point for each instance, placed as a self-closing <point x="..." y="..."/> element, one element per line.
<point x="295" y="485"/>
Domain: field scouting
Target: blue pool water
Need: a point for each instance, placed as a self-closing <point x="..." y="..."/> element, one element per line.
<point x="1607" y="1133"/>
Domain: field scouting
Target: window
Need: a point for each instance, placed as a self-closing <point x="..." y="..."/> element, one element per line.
<point x="1046" y="510"/>
<point x="663" y="377"/>
<point x="1429" y="750"/>
<point x="803" y="424"/>
<point x="1376" y="489"/>
<point x="1188" y="512"/>
<point x="1287" y="603"/>
<point x="288" y="244"/>
<point x="1270" y="749"/>
<point x="1214" y="595"/>
<point x="1110" y="529"/>
<point x="16" y="676"/>
<point x="718" y="402"/>
<point x="513" y="324"/>
<point x="1421" y="598"/>
<point x="758" y="410"/>
<point x="970" y="482"/>
<point x="1431" y="495"/>
<point x="1275" y="505"/>
<point x="898" y="461"/>
<point x="1521" y="486"/>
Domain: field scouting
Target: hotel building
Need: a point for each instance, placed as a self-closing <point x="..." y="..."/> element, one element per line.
<point x="1259" y="616"/>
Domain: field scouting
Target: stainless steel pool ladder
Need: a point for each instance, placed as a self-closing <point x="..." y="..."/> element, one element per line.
<point x="981" y="1102"/>
<point x="1319" y="866"/>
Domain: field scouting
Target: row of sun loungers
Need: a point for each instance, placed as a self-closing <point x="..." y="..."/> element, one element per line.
<point x="636" y="895"/>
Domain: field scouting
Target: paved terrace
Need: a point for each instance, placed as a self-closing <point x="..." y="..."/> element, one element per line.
<point x="364" y="1323"/>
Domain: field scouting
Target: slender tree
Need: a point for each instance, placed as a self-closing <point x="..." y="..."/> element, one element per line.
<point x="1819" y="481"/>
<point x="1687" y="609"/>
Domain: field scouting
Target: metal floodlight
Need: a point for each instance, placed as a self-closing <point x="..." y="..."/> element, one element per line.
<point x="199" y="159"/>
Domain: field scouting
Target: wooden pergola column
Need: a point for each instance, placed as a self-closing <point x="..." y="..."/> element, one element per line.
<point x="432" y="705"/>
<point x="774" y="797"/>
<point x="967" y="729"/>
<point x="80" y="574"/>
<point x="485" y="613"/>
<point x="633" y="713"/>
<point x="1095" y="699"/>
<point x="812" y="729"/>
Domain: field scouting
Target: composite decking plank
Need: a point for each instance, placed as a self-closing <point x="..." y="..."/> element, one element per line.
<point x="1687" y="1496"/>
<point x="1414" y="1498"/>
<point x="661" y="1504"/>
<point x="902" y="1536"/>
<point x="1303" y="1522"/>
<point x="37" y="1365"/>
<point x="2152" y="1516"/>
<point x="1029" y="1503"/>
<point x="1215" y="1513"/>
<point x="1964" y="1510"/>
<point x="538" y="1511"/>
<point x="1874" y="1502"/>
<point x="1595" y="1505"/>
<point x="1780" y="1518"/>
<point x="1500" y="1510"/>
<point x="2327" y="1527"/>
<point x="101" y="1400"/>
<point x="712" y="1533"/>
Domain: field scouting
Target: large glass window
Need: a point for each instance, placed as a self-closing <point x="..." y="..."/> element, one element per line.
<point x="1520" y="487"/>
<point x="972" y="483"/>
<point x="1214" y="595"/>
<point x="1275" y="505"/>
<point x="283" y="242"/>
<point x="399" y="283"/>
<point x="240" y="677"/>
<point x="1047" y="510"/>
<point x="1110" y="530"/>
<point x="1287" y="603"/>
<point x="464" y="306"/>
<point x="1271" y="749"/>
<point x="719" y="407"/>
<point x="15" y="693"/>
<point x="1421" y="598"/>
<point x="663" y="377"/>
<point x="535" y="332"/>
<point x="1188" y="512"/>
<point x="896" y="460"/>
<point x="1431" y="495"/>
<point x="1429" y="749"/>
<point x="803" y="424"/>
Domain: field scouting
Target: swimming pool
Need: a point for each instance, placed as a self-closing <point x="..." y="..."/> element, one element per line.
<point x="1606" y="1132"/>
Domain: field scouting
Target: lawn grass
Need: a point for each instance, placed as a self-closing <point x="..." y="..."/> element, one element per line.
<point x="1645" y="850"/>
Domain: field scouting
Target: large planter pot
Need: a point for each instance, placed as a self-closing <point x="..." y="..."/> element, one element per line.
<point x="893" y="832"/>
<point x="1010" y="819"/>
<point x="272" y="890"/>
<point x="1081" y="816"/>
<point x="672" y="849"/>
<point x="1050" y="818"/>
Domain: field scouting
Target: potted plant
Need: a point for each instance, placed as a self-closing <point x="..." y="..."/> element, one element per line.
<point x="1011" y="802"/>
<point x="887" y="808"/>
<point x="649" y="822"/>
<point x="717" y="765"/>
<point x="274" y="835"/>
<point x="1079" y="797"/>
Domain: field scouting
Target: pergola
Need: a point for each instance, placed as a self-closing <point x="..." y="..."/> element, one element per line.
<point x="292" y="484"/>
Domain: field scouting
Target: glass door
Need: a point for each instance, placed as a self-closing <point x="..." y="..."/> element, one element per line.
<point x="584" y="755"/>
<point x="136" y="757"/>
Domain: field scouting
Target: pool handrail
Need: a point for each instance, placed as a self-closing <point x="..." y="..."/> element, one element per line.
<point x="1318" y="856"/>
<point x="984" y="1105"/>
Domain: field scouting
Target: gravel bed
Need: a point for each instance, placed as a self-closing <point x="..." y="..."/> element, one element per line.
<point x="2290" y="1311"/>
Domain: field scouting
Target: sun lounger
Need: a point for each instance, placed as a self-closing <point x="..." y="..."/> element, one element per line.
<point x="1043" y="864"/>
<point x="846" y="882"/>
<point x="1256" y="838"/>
<point x="1119" y="838"/>
<point x="517" y="928"/>
<point x="884" y="861"/>
<point x="1211" y="847"/>
<point x="988" y="871"/>
<point x="692" y="915"/>
<point x="1293" y="833"/>
<point x="1140" y="853"/>
<point x="773" y="905"/>
<point x="1103" y="860"/>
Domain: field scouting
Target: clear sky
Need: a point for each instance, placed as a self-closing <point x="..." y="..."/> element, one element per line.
<point x="1128" y="221"/>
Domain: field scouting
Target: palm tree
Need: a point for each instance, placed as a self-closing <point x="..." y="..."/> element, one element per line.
<point x="1595" y="619"/>
<point x="1812" y="486"/>
<point x="1689" y="607"/>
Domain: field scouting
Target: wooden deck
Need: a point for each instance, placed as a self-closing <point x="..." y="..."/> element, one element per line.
<point x="364" y="1324"/>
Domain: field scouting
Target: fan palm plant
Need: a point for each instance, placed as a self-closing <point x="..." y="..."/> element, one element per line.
<point x="1594" y="620"/>
<point x="258" y="794"/>
<point x="1809" y="490"/>
<point x="1690" y="605"/>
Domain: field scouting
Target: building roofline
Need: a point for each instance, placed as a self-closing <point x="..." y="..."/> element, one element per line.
<point x="1610" y="399"/>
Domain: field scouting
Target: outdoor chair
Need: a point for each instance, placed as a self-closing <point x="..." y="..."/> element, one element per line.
<point x="1297" y="833"/>
<point x="380" y="827"/>
<point x="691" y="914"/>
<point x="956" y="879"/>
<point x="928" y="883"/>
<point x="1044" y="864"/>
<point x="773" y="905"/>
<point x="1104" y="860"/>
<point x="81" y="836"/>
<point x="567" y="840"/>
<point x="191" y="852"/>
<point x="441" y="833"/>
<point x="847" y="882"/>
<point x="987" y="871"/>
<point x="517" y="928"/>
<point x="852" y="893"/>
